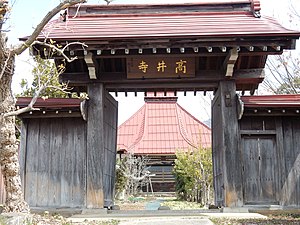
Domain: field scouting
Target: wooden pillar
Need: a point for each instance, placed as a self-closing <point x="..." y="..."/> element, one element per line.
<point x="227" y="160"/>
<point x="95" y="146"/>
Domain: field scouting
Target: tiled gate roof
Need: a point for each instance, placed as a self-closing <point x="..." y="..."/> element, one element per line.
<point x="203" y="19"/>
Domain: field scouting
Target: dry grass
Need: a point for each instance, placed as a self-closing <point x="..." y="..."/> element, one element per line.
<point x="176" y="204"/>
<point x="33" y="219"/>
<point x="280" y="219"/>
<point x="173" y="203"/>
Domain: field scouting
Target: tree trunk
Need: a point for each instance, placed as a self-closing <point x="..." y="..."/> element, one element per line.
<point x="8" y="144"/>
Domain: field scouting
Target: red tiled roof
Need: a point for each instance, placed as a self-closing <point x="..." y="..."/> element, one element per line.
<point x="271" y="101"/>
<point x="138" y="21"/>
<point x="162" y="127"/>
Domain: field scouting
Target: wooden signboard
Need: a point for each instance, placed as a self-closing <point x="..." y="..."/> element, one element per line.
<point x="160" y="67"/>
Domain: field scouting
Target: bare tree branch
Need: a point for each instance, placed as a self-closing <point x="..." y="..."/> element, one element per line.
<point x="32" y="39"/>
<point x="9" y="157"/>
<point x="34" y="99"/>
<point x="63" y="5"/>
<point x="283" y="74"/>
<point x="41" y="86"/>
<point x="30" y="105"/>
<point x="135" y="170"/>
<point x="20" y="111"/>
<point x="3" y="11"/>
<point x="61" y="51"/>
<point x="64" y="89"/>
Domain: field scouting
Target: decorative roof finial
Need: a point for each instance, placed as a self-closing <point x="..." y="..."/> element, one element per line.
<point x="255" y="6"/>
<point x="108" y="1"/>
<point x="63" y="16"/>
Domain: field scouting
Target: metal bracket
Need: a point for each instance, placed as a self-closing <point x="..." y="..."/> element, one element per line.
<point x="228" y="99"/>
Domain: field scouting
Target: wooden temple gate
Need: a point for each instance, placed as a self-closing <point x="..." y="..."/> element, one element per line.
<point x="220" y="47"/>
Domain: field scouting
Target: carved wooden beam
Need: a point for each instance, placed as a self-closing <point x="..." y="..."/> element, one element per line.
<point x="91" y="65"/>
<point x="253" y="76"/>
<point x="230" y="62"/>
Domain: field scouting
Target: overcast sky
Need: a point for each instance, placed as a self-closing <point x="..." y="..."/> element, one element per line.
<point x="26" y="14"/>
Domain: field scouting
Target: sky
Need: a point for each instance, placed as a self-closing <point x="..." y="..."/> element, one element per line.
<point x="26" y="14"/>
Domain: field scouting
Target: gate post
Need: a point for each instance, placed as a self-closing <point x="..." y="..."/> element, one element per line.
<point x="226" y="156"/>
<point x="95" y="146"/>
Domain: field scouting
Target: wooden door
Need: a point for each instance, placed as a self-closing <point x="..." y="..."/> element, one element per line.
<point x="259" y="170"/>
<point x="110" y="118"/>
<point x="55" y="166"/>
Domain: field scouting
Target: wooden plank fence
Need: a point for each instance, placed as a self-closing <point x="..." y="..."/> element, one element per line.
<point x="68" y="162"/>
<point x="271" y="159"/>
<point x="54" y="172"/>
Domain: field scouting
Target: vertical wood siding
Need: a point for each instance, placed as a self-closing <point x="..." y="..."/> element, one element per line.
<point x="291" y="145"/>
<point x="55" y="166"/>
<point x="271" y="162"/>
<point x="67" y="162"/>
<point x="218" y="154"/>
<point x="110" y="138"/>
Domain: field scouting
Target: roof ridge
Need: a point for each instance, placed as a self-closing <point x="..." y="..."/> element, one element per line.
<point x="132" y="116"/>
<point x="161" y="99"/>
<point x="203" y="124"/>
<point x="201" y="5"/>
<point x="141" y="131"/>
<point x="182" y="129"/>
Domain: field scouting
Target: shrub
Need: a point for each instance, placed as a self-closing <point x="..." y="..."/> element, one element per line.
<point x="131" y="174"/>
<point x="194" y="175"/>
<point x="120" y="178"/>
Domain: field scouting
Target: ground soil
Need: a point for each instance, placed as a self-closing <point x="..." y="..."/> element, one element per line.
<point x="131" y="205"/>
<point x="139" y="203"/>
